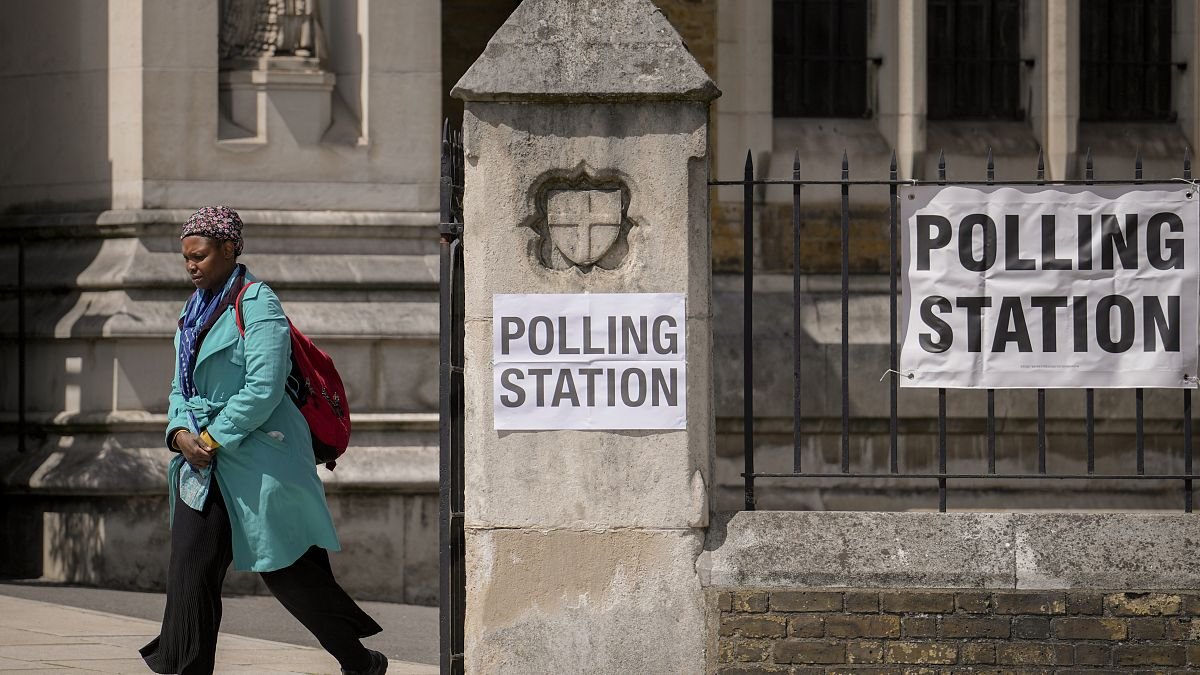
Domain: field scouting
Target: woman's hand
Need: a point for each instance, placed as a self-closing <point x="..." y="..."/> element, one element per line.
<point x="194" y="450"/>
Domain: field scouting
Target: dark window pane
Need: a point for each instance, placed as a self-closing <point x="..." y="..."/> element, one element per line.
<point x="819" y="56"/>
<point x="973" y="59"/>
<point x="1125" y="60"/>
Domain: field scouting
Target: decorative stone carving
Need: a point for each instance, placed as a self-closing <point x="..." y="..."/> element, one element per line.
<point x="254" y="29"/>
<point x="273" y="49"/>
<point x="582" y="223"/>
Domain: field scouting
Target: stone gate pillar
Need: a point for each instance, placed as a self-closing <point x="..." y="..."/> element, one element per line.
<point x="586" y="134"/>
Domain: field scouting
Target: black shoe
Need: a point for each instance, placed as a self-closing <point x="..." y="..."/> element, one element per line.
<point x="379" y="664"/>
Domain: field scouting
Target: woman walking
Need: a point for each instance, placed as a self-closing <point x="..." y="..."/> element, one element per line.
<point x="243" y="486"/>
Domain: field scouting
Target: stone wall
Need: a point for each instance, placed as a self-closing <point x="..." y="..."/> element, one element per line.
<point x="86" y="500"/>
<point x="806" y="593"/>
<point x="809" y="631"/>
<point x="54" y="61"/>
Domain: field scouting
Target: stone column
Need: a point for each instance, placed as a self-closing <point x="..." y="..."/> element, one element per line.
<point x="1056" y="119"/>
<point x="900" y="38"/>
<point x="582" y="545"/>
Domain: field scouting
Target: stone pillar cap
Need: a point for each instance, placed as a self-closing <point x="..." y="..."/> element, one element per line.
<point x="586" y="50"/>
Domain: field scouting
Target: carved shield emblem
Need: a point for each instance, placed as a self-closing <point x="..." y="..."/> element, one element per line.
<point x="584" y="224"/>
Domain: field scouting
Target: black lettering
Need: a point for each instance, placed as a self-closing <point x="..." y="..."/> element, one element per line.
<point x="1085" y="242"/>
<point x="548" y="331"/>
<point x="1012" y="246"/>
<point x="565" y="389"/>
<point x="1050" y="261"/>
<point x="1154" y="322"/>
<point x="659" y="385"/>
<point x="506" y="381"/>
<point x="1049" y="304"/>
<point x="638" y="334"/>
<point x="590" y="374"/>
<point x="626" y="396"/>
<point x="587" y="338"/>
<point x="1155" y="242"/>
<point x="612" y="386"/>
<point x="511" y="328"/>
<point x="1011" y="327"/>
<point x="612" y="335"/>
<point x="1125" y="243"/>
<point x="974" y="306"/>
<point x="665" y="342"/>
<point x="540" y="374"/>
<point x="1079" y="307"/>
<point x="925" y="240"/>
<point x="1104" y="323"/>
<point x="944" y="333"/>
<point x="966" y="242"/>
<point x="562" y="338"/>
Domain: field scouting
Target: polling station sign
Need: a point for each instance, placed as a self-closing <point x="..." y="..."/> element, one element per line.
<point x="1050" y="287"/>
<point x="589" y="361"/>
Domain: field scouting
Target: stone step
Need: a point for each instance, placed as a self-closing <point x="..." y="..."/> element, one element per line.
<point x="102" y="374"/>
<point x="123" y="454"/>
<point x="155" y="314"/>
<point x="122" y="264"/>
<point x="140" y="250"/>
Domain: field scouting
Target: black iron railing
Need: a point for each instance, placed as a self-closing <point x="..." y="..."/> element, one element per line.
<point x="943" y="474"/>
<point x="451" y="540"/>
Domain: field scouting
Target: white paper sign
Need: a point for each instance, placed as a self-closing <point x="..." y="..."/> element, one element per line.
<point x="1047" y="287"/>
<point x="589" y="361"/>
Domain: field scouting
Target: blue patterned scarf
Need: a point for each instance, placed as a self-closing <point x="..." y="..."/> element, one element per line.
<point x="201" y="312"/>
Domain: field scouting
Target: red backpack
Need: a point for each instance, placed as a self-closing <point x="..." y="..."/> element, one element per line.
<point x="316" y="388"/>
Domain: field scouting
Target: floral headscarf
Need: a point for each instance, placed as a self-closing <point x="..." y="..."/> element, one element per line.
<point x="217" y="222"/>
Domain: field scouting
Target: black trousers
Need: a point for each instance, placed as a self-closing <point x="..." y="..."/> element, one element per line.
<point x="201" y="552"/>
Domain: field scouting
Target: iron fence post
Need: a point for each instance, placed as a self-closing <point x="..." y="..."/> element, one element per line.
<point x="796" y="329"/>
<point x="748" y="328"/>
<point x="22" y="340"/>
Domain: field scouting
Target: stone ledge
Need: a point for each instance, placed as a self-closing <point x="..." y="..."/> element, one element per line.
<point x="116" y="314"/>
<point x="134" y="464"/>
<point x="952" y="550"/>
<point x="363" y="222"/>
<point x="139" y="420"/>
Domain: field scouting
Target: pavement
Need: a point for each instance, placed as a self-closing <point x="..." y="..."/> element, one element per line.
<point x="64" y="630"/>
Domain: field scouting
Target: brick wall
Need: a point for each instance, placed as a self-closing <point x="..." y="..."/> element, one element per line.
<point x="820" y="239"/>
<point x="942" y="631"/>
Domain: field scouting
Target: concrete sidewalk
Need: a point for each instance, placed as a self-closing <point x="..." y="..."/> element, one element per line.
<point x="40" y="637"/>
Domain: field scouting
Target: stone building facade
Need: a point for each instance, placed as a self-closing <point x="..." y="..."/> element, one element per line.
<point x="320" y="122"/>
<point x="927" y="79"/>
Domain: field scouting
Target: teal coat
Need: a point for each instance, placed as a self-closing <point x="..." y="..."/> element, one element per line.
<point x="264" y="466"/>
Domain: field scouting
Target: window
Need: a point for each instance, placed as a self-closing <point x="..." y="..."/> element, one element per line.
<point x="974" y="59"/>
<point x="819" y="52"/>
<point x="1125" y="60"/>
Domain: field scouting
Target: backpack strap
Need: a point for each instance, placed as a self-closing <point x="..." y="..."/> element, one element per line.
<point x="237" y="304"/>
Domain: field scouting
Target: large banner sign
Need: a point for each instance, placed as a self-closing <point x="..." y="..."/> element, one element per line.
<point x="1046" y="287"/>
<point x="589" y="361"/>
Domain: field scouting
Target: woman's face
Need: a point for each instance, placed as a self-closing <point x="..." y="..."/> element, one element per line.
<point x="208" y="262"/>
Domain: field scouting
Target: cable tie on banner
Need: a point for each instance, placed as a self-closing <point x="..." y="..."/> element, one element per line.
<point x="1195" y="185"/>
<point x="1191" y="379"/>
<point x="908" y="375"/>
